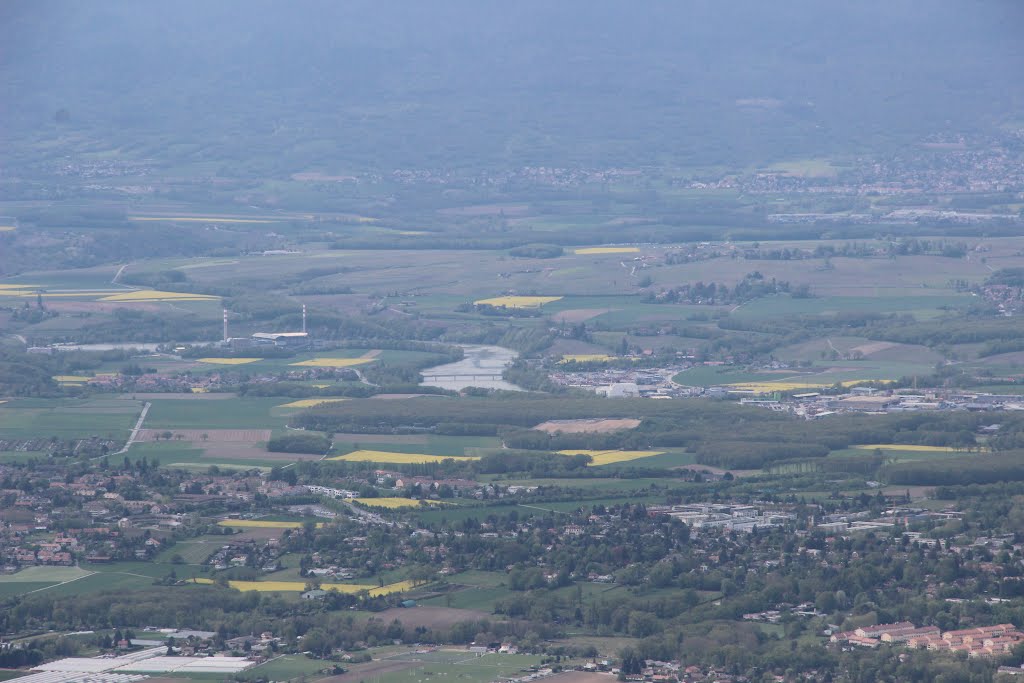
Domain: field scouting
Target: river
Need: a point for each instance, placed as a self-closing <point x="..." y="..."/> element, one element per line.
<point x="482" y="367"/>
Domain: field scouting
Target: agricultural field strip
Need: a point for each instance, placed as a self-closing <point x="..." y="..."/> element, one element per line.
<point x="398" y="458"/>
<point x="517" y="301"/>
<point x="599" y="458"/>
<point x="300" y="586"/>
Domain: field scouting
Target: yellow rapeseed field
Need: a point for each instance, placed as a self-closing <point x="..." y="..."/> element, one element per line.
<point x="586" y="358"/>
<point x="395" y="503"/>
<point x="784" y="385"/>
<point x="228" y="361"/>
<point x="7" y="228"/>
<point x="156" y="295"/>
<point x="517" y="301"/>
<point x="310" y="402"/>
<point x="767" y="387"/>
<point x="262" y="524"/>
<point x="610" y="457"/>
<point x="70" y="378"/>
<point x="606" y="250"/>
<point x="333" y="362"/>
<point x="907" y="447"/>
<point x="300" y="586"/>
<point x="396" y="458"/>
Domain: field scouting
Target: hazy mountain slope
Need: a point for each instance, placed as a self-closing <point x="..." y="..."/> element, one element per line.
<point x="294" y="85"/>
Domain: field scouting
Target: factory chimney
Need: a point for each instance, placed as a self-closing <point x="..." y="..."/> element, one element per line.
<point x="225" y="325"/>
<point x="303" y="318"/>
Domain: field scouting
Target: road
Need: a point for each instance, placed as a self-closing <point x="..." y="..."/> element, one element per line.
<point x="135" y="431"/>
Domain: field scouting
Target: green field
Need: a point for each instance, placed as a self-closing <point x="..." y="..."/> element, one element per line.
<point x="475" y="598"/>
<point x="921" y="306"/>
<point x="447" y="665"/>
<point x="429" y="444"/>
<point x="68" y="418"/>
<point x="286" y="668"/>
<point x="237" y="413"/>
<point x="44" y="574"/>
<point x="193" y="550"/>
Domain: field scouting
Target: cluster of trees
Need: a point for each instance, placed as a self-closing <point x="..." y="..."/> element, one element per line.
<point x="754" y="438"/>
<point x="537" y="251"/>
<point x="752" y="286"/>
<point x="959" y="470"/>
<point x="299" y="442"/>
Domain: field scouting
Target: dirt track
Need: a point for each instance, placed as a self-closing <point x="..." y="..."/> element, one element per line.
<point x="597" y="426"/>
